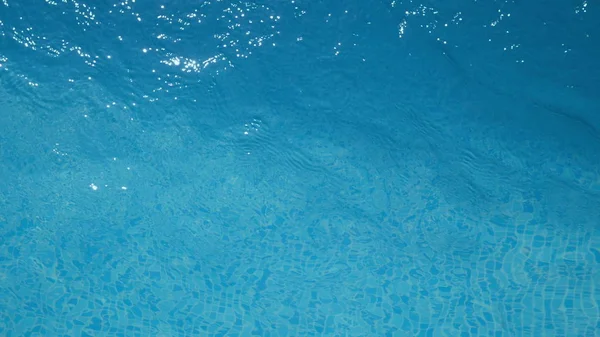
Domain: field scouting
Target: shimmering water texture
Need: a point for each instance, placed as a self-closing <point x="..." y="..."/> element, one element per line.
<point x="299" y="168"/>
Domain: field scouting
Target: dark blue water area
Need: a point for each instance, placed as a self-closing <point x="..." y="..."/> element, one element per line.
<point x="299" y="168"/>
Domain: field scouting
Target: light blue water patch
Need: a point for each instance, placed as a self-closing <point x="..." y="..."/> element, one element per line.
<point x="299" y="169"/>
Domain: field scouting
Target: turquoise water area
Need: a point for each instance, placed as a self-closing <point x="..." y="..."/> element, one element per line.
<point x="299" y="168"/>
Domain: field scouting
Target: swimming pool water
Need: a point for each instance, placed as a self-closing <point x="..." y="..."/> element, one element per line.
<point x="299" y="168"/>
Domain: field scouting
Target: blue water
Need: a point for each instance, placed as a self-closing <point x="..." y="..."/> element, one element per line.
<point x="299" y="168"/>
